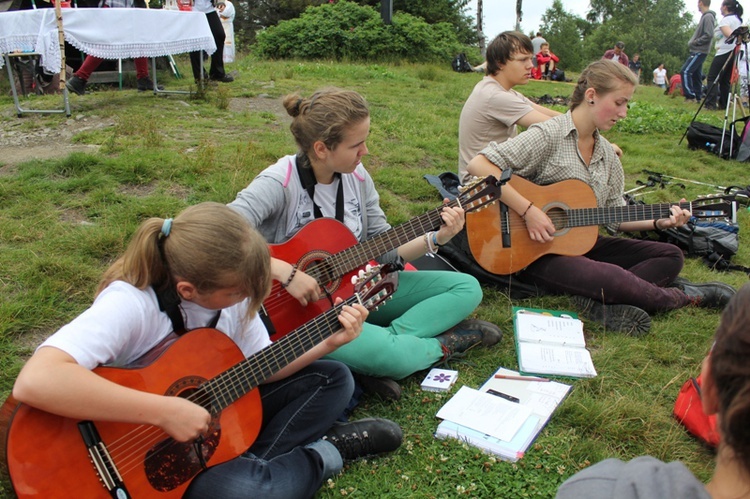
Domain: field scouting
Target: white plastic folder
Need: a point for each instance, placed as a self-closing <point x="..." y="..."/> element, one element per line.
<point x="538" y="399"/>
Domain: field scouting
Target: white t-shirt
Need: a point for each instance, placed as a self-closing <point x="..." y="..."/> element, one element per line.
<point x="125" y="322"/>
<point x="733" y="22"/>
<point x="660" y="76"/>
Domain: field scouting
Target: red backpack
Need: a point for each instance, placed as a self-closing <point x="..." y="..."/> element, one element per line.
<point x="688" y="410"/>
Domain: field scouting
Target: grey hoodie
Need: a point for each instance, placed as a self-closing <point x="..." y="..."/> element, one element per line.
<point x="642" y="478"/>
<point x="704" y="33"/>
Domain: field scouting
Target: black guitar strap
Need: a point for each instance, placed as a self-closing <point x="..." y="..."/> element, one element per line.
<point x="308" y="181"/>
<point x="169" y="303"/>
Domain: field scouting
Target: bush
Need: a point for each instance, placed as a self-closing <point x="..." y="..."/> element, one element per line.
<point x="345" y="30"/>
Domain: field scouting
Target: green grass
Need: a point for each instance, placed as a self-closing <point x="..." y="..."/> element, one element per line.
<point x="63" y="221"/>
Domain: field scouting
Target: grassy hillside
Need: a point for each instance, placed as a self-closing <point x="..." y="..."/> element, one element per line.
<point x="64" y="218"/>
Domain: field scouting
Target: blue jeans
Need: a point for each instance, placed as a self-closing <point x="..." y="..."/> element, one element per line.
<point x="692" y="70"/>
<point x="288" y="459"/>
<point x="615" y="270"/>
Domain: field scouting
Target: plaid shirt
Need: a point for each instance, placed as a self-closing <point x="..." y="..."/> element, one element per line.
<point x="548" y="152"/>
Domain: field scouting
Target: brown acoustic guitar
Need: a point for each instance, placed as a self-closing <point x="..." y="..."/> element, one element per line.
<point x="500" y="242"/>
<point x="51" y="456"/>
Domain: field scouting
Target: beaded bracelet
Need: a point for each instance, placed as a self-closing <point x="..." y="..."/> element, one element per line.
<point x="291" y="276"/>
<point x="428" y="243"/>
<point x="531" y="203"/>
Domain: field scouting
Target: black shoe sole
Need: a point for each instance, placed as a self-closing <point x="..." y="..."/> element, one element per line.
<point x="627" y="319"/>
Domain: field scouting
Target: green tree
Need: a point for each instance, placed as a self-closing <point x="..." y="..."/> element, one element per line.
<point x="564" y="32"/>
<point x="657" y="29"/>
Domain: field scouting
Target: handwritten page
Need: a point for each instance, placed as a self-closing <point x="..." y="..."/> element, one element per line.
<point x="540" y="359"/>
<point x="486" y="413"/>
<point x="538" y="328"/>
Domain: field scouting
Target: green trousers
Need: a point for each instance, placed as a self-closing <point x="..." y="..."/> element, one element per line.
<point x="398" y="339"/>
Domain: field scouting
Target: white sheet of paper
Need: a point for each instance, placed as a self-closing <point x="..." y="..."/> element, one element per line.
<point x="483" y="412"/>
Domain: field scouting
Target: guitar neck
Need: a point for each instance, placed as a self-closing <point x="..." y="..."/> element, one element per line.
<point x="582" y="217"/>
<point x="238" y="380"/>
<point x="360" y="254"/>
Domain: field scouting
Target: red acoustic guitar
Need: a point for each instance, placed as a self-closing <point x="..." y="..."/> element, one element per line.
<point x="56" y="457"/>
<point x="327" y="250"/>
<point x="500" y="243"/>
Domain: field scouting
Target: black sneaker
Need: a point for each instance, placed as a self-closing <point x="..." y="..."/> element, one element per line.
<point x="385" y="388"/>
<point x="469" y="333"/>
<point x="707" y="295"/>
<point x="627" y="319"/>
<point x="146" y="84"/>
<point x="365" y="437"/>
<point x="76" y="85"/>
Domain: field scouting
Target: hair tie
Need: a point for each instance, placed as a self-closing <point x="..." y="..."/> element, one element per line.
<point x="166" y="227"/>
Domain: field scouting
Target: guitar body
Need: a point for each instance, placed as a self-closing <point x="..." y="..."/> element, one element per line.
<point x="46" y="455"/>
<point x="485" y="229"/>
<point x="315" y="242"/>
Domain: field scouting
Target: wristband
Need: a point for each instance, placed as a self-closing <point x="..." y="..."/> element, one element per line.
<point x="531" y="203"/>
<point x="435" y="241"/>
<point x="656" y="227"/>
<point x="291" y="276"/>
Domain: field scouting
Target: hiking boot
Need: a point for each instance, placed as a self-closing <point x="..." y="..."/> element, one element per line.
<point x="385" y="388"/>
<point x="76" y="85"/>
<point x="627" y="319"/>
<point x="707" y="295"/>
<point x="364" y="437"/>
<point x="467" y="334"/>
<point x="145" y="84"/>
<point x="223" y="79"/>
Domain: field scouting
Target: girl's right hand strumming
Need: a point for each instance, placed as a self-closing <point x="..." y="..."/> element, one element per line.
<point x="183" y="420"/>
<point x="298" y="284"/>
<point x="304" y="288"/>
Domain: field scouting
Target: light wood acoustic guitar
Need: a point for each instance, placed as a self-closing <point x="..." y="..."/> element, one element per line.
<point x="329" y="252"/>
<point x="500" y="242"/>
<point x="57" y="457"/>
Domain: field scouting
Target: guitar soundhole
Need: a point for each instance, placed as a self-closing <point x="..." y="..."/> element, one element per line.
<point x="169" y="463"/>
<point x="315" y="263"/>
<point x="559" y="217"/>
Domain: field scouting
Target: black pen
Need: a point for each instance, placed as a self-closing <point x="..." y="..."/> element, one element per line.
<point x="510" y="398"/>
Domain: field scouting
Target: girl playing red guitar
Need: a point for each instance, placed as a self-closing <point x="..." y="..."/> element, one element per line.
<point x="327" y="179"/>
<point x="214" y="270"/>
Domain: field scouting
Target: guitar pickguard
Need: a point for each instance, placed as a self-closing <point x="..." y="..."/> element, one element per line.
<point x="169" y="464"/>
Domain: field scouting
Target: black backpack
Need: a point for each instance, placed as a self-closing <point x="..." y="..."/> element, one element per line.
<point x="461" y="64"/>
<point x="709" y="138"/>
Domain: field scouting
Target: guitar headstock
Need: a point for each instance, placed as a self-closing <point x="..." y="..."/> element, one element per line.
<point x="479" y="193"/>
<point x="714" y="208"/>
<point x="375" y="285"/>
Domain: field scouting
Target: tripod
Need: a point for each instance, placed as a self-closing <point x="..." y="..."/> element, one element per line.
<point x="740" y="38"/>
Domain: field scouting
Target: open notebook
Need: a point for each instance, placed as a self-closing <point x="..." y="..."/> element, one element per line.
<point x="551" y="342"/>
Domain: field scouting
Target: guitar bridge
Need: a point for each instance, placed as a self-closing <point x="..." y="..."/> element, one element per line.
<point x="504" y="225"/>
<point x="102" y="461"/>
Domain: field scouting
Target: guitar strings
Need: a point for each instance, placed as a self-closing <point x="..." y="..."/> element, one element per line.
<point x="127" y="450"/>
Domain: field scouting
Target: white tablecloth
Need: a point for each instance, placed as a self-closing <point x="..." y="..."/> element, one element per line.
<point x="105" y="33"/>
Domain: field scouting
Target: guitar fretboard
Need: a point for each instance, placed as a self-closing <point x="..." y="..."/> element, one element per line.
<point x="238" y="380"/>
<point x="581" y="217"/>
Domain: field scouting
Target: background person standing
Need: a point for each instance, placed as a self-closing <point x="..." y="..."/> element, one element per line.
<point x="699" y="46"/>
<point x="617" y="54"/>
